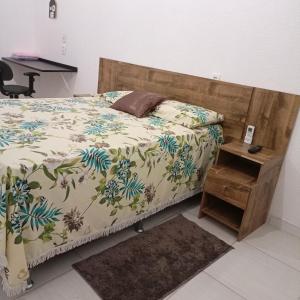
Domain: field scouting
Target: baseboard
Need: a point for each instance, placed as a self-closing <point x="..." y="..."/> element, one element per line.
<point x="284" y="225"/>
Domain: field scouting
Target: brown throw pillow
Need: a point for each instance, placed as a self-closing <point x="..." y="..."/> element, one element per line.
<point x="138" y="104"/>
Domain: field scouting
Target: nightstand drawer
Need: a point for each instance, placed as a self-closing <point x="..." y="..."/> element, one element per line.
<point x="227" y="190"/>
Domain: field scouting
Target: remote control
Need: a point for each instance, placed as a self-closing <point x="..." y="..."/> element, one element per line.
<point x="254" y="149"/>
<point x="249" y="134"/>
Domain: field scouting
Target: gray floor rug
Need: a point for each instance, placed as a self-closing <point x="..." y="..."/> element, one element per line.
<point x="151" y="265"/>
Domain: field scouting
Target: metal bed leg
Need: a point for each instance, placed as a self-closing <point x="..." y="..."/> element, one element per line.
<point x="139" y="227"/>
<point x="29" y="282"/>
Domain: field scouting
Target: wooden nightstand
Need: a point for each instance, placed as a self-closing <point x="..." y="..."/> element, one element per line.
<point x="239" y="188"/>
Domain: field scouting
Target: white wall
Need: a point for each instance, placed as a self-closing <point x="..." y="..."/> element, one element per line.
<point x="17" y="21"/>
<point x="17" y="26"/>
<point x="286" y="201"/>
<point x="251" y="42"/>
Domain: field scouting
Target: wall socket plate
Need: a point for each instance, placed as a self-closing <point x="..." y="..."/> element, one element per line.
<point x="216" y="76"/>
<point x="64" y="49"/>
<point x="64" y="45"/>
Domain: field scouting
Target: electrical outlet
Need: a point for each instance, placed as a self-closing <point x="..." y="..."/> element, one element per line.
<point x="216" y="76"/>
<point x="64" y="45"/>
<point x="64" y="49"/>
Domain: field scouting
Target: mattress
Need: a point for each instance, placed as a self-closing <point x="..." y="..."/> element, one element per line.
<point x="73" y="170"/>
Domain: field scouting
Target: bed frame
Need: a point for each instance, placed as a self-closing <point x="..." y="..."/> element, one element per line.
<point x="272" y="113"/>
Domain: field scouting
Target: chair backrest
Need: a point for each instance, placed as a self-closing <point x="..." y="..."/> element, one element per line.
<point x="6" y="73"/>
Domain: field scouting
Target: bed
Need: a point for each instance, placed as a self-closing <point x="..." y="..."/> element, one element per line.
<point x="73" y="170"/>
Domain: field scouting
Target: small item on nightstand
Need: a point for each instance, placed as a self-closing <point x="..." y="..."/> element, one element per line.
<point x="249" y="134"/>
<point x="254" y="149"/>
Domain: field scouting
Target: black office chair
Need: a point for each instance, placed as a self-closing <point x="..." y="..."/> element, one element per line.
<point x="12" y="90"/>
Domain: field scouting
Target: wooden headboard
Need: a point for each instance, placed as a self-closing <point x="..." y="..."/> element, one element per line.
<point x="272" y="113"/>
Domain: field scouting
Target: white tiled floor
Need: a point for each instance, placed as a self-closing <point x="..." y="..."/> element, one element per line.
<point x="266" y="265"/>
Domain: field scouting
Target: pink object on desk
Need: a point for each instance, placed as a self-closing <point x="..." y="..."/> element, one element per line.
<point x="24" y="56"/>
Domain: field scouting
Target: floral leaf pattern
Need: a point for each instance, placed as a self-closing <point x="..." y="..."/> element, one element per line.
<point x="187" y="115"/>
<point x="189" y="167"/>
<point x="32" y="125"/>
<point x="3" y="204"/>
<point x="73" y="219"/>
<point x="154" y="121"/>
<point x="114" y="96"/>
<point x="96" y="129"/>
<point x="215" y="133"/>
<point x="6" y="137"/>
<point x="21" y="192"/>
<point x="39" y="214"/>
<point x="72" y="168"/>
<point x="96" y="158"/>
<point x="132" y="187"/>
<point x="168" y="144"/>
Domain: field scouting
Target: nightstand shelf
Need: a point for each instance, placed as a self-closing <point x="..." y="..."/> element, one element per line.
<point x="235" y="173"/>
<point x="230" y="216"/>
<point x="239" y="187"/>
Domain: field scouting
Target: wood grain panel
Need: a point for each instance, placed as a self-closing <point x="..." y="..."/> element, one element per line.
<point x="260" y="200"/>
<point x="274" y="115"/>
<point x="241" y="149"/>
<point x="231" y="180"/>
<point x="219" y="210"/>
<point x="232" y="100"/>
<point x="225" y="188"/>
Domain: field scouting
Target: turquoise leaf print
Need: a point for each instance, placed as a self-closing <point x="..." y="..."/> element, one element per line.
<point x="95" y="158"/>
<point x="111" y="190"/>
<point x="123" y="169"/>
<point x="183" y="107"/>
<point x="39" y="215"/>
<point x="215" y="133"/>
<point x="201" y="114"/>
<point x="11" y="102"/>
<point x="132" y="187"/>
<point x="96" y="129"/>
<point x="189" y="168"/>
<point x="184" y="152"/>
<point x="154" y="121"/>
<point x="6" y="137"/>
<point x="3" y="205"/>
<point x="15" y="222"/>
<point x="115" y="127"/>
<point x="112" y="94"/>
<point x="107" y="117"/>
<point x="21" y="191"/>
<point x="45" y="107"/>
<point x="32" y="125"/>
<point x="175" y="171"/>
<point x="28" y="138"/>
<point x="102" y="104"/>
<point x="168" y="143"/>
<point x="76" y="100"/>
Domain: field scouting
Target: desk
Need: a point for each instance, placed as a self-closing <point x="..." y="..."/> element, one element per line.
<point x="41" y="65"/>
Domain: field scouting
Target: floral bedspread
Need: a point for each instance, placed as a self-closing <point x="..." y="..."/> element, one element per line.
<point x="73" y="170"/>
